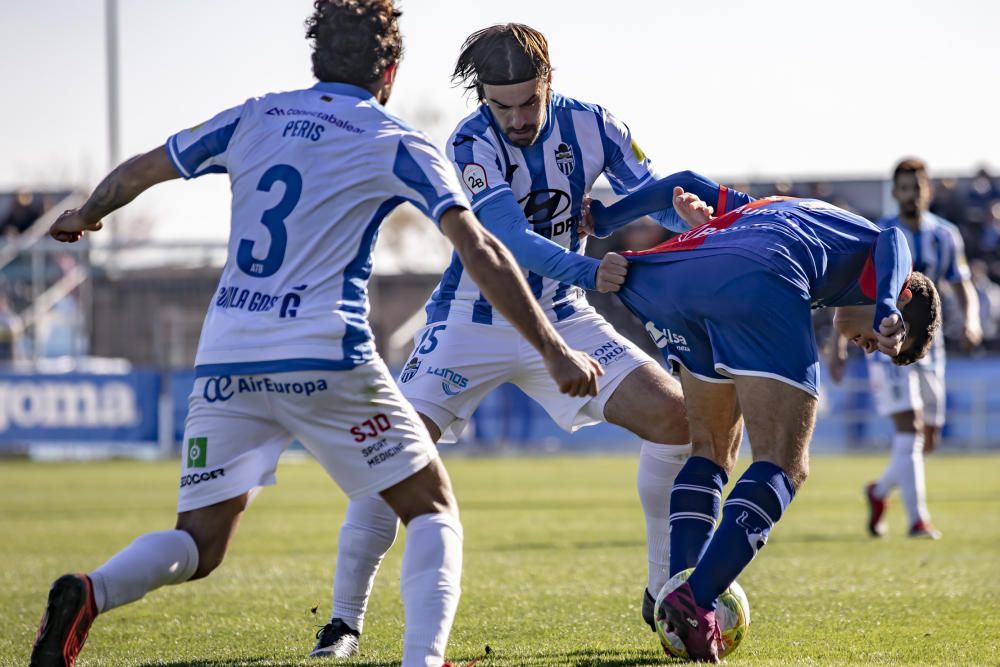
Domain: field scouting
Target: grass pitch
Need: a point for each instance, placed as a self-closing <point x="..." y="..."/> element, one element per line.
<point x="554" y="569"/>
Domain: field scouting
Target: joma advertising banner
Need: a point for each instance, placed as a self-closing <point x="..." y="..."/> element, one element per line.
<point x="79" y="407"/>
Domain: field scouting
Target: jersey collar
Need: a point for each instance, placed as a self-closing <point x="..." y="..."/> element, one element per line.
<point x="338" y="88"/>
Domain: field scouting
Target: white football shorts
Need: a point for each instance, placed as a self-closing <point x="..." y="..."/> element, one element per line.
<point x="454" y="365"/>
<point x="919" y="387"/>
<point x="356" y="423"/>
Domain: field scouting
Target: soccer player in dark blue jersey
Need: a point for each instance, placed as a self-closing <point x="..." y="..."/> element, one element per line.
<point x="729" y="302"/>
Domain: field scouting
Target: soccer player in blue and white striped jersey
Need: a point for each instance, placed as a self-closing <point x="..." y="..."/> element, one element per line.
<point x="286" y="350"/>
<point x="914" y="396"/>
<point x="528" y="157"/>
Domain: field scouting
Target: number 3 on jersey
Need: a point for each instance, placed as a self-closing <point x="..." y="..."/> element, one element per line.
<point x="274" y="219"/>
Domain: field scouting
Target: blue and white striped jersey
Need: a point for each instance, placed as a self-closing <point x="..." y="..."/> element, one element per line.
<point x="524" y="194"/>
<point x="939" y="253"/>
<point x="937" y="247"/>
<point x="313" y="174"/>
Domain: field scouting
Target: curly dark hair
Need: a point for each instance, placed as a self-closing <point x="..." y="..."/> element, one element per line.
<point x="923" y="318"/>
<point x="354" y="41"/>
<point x="501" y="54"/>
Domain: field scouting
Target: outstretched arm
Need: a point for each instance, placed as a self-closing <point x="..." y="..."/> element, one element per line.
<point x="502" y="216"/>
<point x="126" y="182"/>
<point x="658" y="196"/>
<point x="493" y="269"/>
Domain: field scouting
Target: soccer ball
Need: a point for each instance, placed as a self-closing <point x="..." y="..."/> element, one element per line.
<point x="732" y="612"/>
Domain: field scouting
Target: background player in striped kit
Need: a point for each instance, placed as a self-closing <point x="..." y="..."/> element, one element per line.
<point x="914" y="396"/>
<point x="528" y="157"/>
<point x="291" y="313"/>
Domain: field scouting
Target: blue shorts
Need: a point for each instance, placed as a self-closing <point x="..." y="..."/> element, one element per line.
<point x="724" y="315"/>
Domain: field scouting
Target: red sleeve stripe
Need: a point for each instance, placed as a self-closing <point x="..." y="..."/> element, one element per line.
<point x="720" y="204"/>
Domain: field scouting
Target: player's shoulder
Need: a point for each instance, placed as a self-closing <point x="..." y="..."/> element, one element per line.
<point x="947" y="227"/>
<point x="471" y="131"/>
<point x="560" y="102"/>
<point x="474" y="127"/>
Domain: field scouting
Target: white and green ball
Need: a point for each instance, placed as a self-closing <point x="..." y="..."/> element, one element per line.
<point x="732" y="613"/>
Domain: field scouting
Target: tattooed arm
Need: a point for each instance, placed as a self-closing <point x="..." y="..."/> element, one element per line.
<point x="128" y="180"/>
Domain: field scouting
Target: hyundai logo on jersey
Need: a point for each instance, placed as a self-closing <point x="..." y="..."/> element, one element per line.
<point x="544" y="205"/>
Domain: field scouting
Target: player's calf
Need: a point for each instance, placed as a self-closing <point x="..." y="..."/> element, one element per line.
<point x="212" y="529"/>
<point x="695" y="502"/>
<point x="754" y="506"/>
<point x="430" y="578"/>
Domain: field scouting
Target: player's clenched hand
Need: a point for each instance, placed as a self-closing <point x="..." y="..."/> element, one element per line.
<point x="611" y="273"/>
<point x="890" y="334"/>
<point x="575" y="372"/>
<point x="691" y="209"/>
<point x="70" y="226"/>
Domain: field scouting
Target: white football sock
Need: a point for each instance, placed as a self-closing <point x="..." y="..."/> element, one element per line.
<point x="912" y="489"/>
<point x="368" y="531"/>
<point x="897" y="465"/>
<point x="658" y="467"/>
<point x="430" y="584"/>
<point x="152" y="560"/>
<point x="906" y="470"/>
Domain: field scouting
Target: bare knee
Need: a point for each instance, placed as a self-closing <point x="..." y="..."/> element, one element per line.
<point x="428" y="491"/>
<point x="720" y="456"/>
<point x="794" y="464"/>
<point x="212" y="529"/>
<point x="209" y="558"/>
<point x="650" y="404"/>
<point x="668" y="426"/>
<point x="909" y="421"/>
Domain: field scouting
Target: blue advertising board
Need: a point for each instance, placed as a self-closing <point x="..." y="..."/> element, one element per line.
<point x="79" y="407"/>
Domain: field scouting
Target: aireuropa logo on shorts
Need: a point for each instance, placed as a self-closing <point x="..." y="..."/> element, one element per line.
<point x="197" y="452"/>
<point x="223" y="387"/>
<point x="67" y="404"/>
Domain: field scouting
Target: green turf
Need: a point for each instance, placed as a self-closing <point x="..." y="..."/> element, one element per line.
<point x="554" y="569"/>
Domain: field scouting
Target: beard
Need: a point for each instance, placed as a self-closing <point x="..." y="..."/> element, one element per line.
<point x="525" y="136"/>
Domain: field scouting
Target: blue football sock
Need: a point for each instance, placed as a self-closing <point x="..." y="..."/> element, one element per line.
<point x="756" y="503"/>
<point x="694" y="507"/>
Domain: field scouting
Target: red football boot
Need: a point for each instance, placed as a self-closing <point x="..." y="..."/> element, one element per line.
<point x="876" y="512"/>
<point x="68" y="616"/>
<point x="924" y="530"/>
<point x="696" y="627"/>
